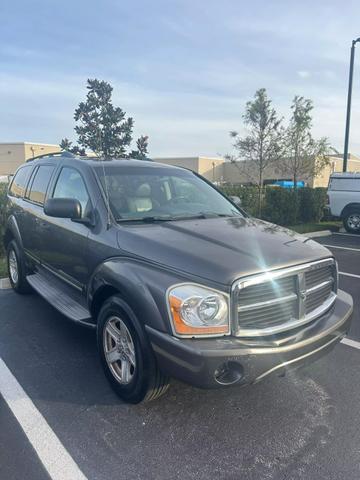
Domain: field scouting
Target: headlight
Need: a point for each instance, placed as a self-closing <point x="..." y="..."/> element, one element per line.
<point x="196" y="310"/>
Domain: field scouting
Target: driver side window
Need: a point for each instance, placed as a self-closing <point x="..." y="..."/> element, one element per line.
<point x="70" y="184"/>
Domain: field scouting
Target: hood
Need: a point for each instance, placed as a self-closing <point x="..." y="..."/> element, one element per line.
<point x="219" y="249"/>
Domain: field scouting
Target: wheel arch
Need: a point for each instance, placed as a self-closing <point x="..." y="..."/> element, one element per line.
<point x="12" y="232"/>
<point x="349" y="207"/>
<point x="140" y="288"/>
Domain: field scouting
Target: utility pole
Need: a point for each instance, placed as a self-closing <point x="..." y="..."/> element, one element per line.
<point x="348" y="110"/>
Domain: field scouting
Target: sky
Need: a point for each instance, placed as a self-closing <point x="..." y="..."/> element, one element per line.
<point x="183" y="69"/>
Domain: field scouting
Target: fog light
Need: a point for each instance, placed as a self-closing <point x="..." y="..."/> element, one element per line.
<point x="229" y="373"/>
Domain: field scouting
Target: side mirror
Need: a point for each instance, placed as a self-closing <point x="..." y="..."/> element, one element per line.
<point x="235" y="199"/>
<point x="63" y="208"/>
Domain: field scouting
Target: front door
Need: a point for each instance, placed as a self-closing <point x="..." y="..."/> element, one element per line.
<point x="66" y="248"/>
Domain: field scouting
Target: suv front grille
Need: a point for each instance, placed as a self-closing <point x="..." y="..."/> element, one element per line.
<point x="277" y="301"/>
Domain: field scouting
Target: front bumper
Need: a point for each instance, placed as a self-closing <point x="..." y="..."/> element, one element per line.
<point x="211" y="363"/>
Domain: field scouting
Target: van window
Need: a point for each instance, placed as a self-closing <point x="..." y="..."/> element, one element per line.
<point x="345" y="184"/>
<point x="40" y="184"/>
<point x="17" y="188"/>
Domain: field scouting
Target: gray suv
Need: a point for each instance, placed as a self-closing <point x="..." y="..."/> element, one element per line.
<point x="176" y="279"/>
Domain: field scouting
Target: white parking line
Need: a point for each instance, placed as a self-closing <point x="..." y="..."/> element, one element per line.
<point x="341" y="248"/>
<point x="4" y="283"/>
<point x="56" y="460"/>
<point x="351" y="343"/>
<point x="349" y="274"/>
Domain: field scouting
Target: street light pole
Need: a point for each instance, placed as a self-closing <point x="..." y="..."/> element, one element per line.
<point x="348" y="110"/>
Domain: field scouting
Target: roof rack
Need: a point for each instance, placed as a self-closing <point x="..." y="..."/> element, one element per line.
<point x="63" y="153"/>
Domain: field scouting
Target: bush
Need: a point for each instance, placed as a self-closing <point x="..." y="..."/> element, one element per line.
<point x="3" y="190"/>
<point x="249" y="197"/>
<point x="283" y="206"/>
<point x="312" y="203"/>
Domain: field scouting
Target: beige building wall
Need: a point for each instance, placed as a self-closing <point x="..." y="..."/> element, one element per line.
<point x="210" y="168"/>
<point x="335" y="165"/>
<point x="12" y="155"/>
<point x="219" y="171"/>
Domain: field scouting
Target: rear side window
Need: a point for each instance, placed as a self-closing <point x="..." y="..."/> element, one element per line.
<point x="345" y="184"/>
<point x="19" y="182"/>
<point x="40" y="184"/>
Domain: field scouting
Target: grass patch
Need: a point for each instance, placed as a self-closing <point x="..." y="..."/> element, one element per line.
<point x="3" y="267"/>
<point x="315" y="227"/>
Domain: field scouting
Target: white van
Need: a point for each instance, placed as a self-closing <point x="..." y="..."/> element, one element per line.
<point x="344" y="199"/>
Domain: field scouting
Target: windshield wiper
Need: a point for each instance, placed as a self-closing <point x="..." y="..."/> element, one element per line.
<point x="149" y="219"/>
<point x="160" y="218"/>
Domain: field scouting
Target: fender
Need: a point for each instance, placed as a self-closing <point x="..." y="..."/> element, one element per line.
<point x="12" y="230"/>
<point x="141" y="286"/>
<point x="348" y="207"/>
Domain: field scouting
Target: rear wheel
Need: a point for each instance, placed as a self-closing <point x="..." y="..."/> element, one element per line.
<point x="16" y="268"/>
<point x="127" y="357"/>
<point x="351" y="221"/>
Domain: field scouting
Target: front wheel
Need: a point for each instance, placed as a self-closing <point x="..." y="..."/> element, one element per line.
<point x="351" y="221"/>
<point x="126" y="356"/>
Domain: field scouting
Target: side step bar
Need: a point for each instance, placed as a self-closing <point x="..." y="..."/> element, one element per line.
<point x="62" y="297"/>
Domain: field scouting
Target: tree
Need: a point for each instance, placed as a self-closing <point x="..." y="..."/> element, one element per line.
<point x="102" y="127"/>
<point x="262" y="147"/>
<point x="303" y="156"/>
<point x="142" y="148"/>
<point x="66" y="145"/>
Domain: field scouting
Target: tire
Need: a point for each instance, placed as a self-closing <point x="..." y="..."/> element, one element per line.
<point x="17" y="269"/>
<point x="126" y="355"/>
<point x="351" y="221"/>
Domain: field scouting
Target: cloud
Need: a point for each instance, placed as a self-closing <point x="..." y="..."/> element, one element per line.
<point x="303" y="73"/>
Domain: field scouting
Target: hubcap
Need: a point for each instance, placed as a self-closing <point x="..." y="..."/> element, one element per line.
<point x="13" y="267"/>
<point x="354" y="221"/>
<point x="119" y="350"/>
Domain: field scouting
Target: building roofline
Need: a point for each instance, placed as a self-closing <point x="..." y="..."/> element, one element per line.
<point x="195" y="157"/>
<point x="31" y="143"/>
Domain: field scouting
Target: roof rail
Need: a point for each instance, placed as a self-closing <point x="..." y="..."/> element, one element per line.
<point x="62" y="153"/>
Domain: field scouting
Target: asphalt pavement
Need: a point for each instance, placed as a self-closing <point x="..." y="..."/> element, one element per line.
<point x="301" y="426"/>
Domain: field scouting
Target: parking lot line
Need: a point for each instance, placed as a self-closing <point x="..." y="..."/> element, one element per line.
<point x="349" y="274"/>
<point x="341" y="248"/>
<point x="351" y="343"/>
<point x="55" y="458"/>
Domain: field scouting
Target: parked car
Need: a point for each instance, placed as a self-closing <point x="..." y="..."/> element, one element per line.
<point x="176" y="279"/>
<point x="344" y="199"/>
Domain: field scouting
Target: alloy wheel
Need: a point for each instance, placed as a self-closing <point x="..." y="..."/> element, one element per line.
<point x="13" y="267"/>
<point x="353" y="221"/>
<point x="119" y="350"/>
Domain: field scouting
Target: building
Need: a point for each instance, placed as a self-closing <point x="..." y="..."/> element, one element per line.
<point x="208" y="167"/>
<point x="14" y="154"/>
<point x="215" y="169"/>
<point x="241" y="173"/>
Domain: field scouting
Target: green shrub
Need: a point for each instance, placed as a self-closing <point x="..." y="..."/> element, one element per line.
<point x="281" y="206"/>
<point x="312" y="203"/>
<point x="3" y="190"/>
<point x="248" y="195"/>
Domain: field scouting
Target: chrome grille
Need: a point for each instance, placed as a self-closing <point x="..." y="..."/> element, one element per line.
<point x="277" y="301"/>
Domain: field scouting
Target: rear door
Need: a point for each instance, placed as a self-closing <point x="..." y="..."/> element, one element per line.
<point x="34" y="222"/>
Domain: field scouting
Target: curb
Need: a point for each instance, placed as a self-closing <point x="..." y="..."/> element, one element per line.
<point x="4" y="283"/>
<point x="320" y="233"/>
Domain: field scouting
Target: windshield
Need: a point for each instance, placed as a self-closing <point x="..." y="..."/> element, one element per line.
<point x="149" y="194"/>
